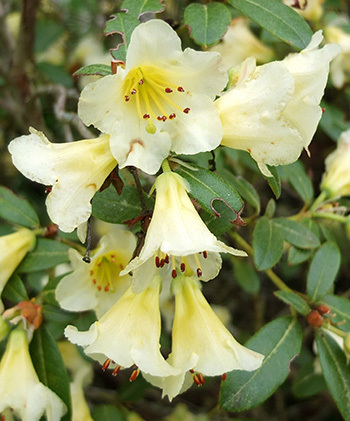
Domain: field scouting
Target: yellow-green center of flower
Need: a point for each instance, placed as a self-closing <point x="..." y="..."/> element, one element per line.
<point x="180" y="265"/>
<point x="153" y="94"/>
<point x="105" y="272"/>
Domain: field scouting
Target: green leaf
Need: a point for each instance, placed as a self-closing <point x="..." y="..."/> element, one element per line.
<point x="107" y="413"/>
<point x="278" y="19"/>
<point x="270" y="209"/>
<point x="55" y="73"/>
<point x="111" y="207"/>
<point x="323" y="270"/>
<point x="15" y="290"/>
<point x="297" y="256"/>
<point x="123" y="24"/>
<point x="49" y="366"/>
<point x="16" y="210"/>
<point x="47" y="254"/>
<point x="47" y="31"/>
<point x="138" y="7"/>
<point x="245" y="189"/>
<point x="246" y="275"/>
<point x="267" y="244"/>
<point x="335" y="370"/>
<point x="296" y="176"/>
<point x="340" y="308"/>
<point x="279" y="340"/>
<point x="207" y="22"/>
<point x="296" y="233"/>
<point x="289" y="297"/>
<point x="94" y="69"/>
<point x="274" y="182"/>
<point x="308" y="381"/>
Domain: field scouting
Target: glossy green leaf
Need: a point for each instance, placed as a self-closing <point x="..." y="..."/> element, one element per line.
<point x="15" y="290"/>
<point x="340" y="309"/>
<point x="267" y="244"/>
<point x="297" y="255"/>
<point x="323" y="270"/>
<point x="294" y="300"/>
<point x="16" y="210"/>
<point x="296" y="176"/>
<point x="279" y="340"/>
<point x="278" y="19"/>
<point x="138" y="7"/>
<point x="335" y="370"/>
<point x="49" y="366"/>
<point x="94" y="69"/>
<point x="47" y="254"/>
<point x="296" y="233"/>
<point x="111" y="207"/>
<point x="246" y="275"/>
<point x="207" y="22"/>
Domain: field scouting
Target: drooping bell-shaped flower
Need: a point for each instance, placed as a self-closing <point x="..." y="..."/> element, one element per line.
<point x="162" y="101"/>
<point x="20" y="388"/>
<point x="275" y="121"/>
<point x="98" y="285"/>
<point x="13" y="248"/>
<point x="177" y="240"/>
<point x="128" y="334"/>
<point x="201" y="344"/>
<point x="74" y="170"/>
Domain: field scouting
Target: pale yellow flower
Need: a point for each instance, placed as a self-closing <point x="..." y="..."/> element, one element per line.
<point x="311" y="10"/>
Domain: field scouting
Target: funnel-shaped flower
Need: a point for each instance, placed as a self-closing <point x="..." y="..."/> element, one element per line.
<point x="336" y="179"/>
<point x="177" y="239"/>
<point x="275" y="121"/>
<point x="74" y="170"/>
<point x="20" y="388"/>
<point x="200" y="342"/>
<point x="13" y="247"/>
<point x="162" y="101"/>
<point x="98" y="284"/>
<point x="128" y="334"/>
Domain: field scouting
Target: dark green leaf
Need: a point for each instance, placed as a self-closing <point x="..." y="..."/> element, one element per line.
<point x="15" y="290"/>
<point x="46" y="33"/>
<point x="340" y="309"/>
<point x="323" y="270"/>
<point x="245" y="189"/>
<point x="279" y="340"/>
<point x="274" y="182"/>
<point x="333" y="121"/>
<point x="55" y="73"/>
<point x="267" y="244"/>
<point x="94" y="69"/>
<point x="107" y="413"/>
<point x="278" y="19"/>
<point x="289" y="297"/>
<point x="138" y="7"/>
<point x="47" y="254"/>
<point x="246" y="276"/>
<point x="270" y="208"/>
<point x="296" y="175"/>
<point x="111" y="207"/>
<point x="335" y="370"/>
<point x="207" y="22"/>
<point x="16" y="210"/>
<point x="296" y="233"/>
<point x="297" y="256"/>
<point x="49" y="366"/>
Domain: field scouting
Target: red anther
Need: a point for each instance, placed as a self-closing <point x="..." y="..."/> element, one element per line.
<point x="182" y="267"/>
<point x="314" y="318"/>
<point x="134" y="375"/>
<point x="174" y="273"/>
<point x="2" y="418"/>
<point x="166" y="260"/>
<point x="127" y="98"/>
<point x="106" y="364"/>
<point x="106" y="288"/>
<point x="160" y="118"/>
<point x="94" y="281"/>
<point x="133" y="91"/>
<point x="191" y="371"/>
<point x="186" y="110"/>
<point x="91" y="272"/>
<point x="116" y="370"/>
<point x="145" y="116"/>
<point x="201" y="378"/>
<point x="99" y="287"/>
<point x="323" y="110"/>
<point x="199" y="272"/>
<point x="205" y="254"/>
<point x="48" y="190"/>
<point x="224" y="376"/>
<point x="157" y="261"/>
<point x="164" y="118"/>
<point x="172" y="116"/>
<point x="323" y="309"/>
<point x="168" y="90"/>
<point x="162" y="261"/>
<point x="141" y="82"/>
<point x="180" y="89"/>
<point x="196" y="380"/>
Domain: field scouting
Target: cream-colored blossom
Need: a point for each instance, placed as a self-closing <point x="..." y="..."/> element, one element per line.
<point x="177" y="239"/>
<point x="74" y="170"/>
<point x="128" y="334"/>
<point x="340" y="66"/>
<point x="200" y="342"/>
<point x="13" y="248"/>
<point x="336" y="179"/>
<point x="311" y="10"/>
<point x="275" y="121"/>
<point x="20" y="388"/>
<point x="240" y="43"/>
<point x="98" y="285"/>
<point x="162" y="101"/>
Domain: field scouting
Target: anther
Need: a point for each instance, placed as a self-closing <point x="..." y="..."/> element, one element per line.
<point x="182" y="267"/>
<point x="164" y="118"/>
<point x="171" y="116"/>
<point x="106" y="288"/>
<point x="201" y="378"/>
<point x="127" y="98"/>
<point x="99" y="288"/>
<point x="186" y="110"/>
<point x="162" y="261"/>
<point x="94" y="281"/>
<point x="134" y="375"/>
<point x="199" y="272"/>
<point x="223" y="376"/>
<point x="145" y="116"/>
<point x="160" y="118"/>
<point x="196" y="380"/>
<point x="180" y="89"/>
<point x="168" y="90"/>
<point x="166" y="259"/>
<point x="157" y="261"/>
<point x="116" y="370"/>
<point x="106" y="364"/>
<point x="91" y="272"/>
<point x="133" y="91"/>
<point x="174" y="273"/>
<point x="141" y="82"/>
<point x="205" y="254"/>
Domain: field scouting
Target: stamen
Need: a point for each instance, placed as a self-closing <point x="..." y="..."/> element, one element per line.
<point x="174" y="273"/>
<point x="199" y="272"/>
<point x="116" y="370"/>
<point x="134" y="375"/>
<point x="172" y="116"/>
<point x="199" y="269"/>
<point x="106" y="364"/>
<point x="141" y="82"/>
<point x="133" y="91"/>
<point x="106" y="288"/>
<point x="182" y="267"/>
<point x="205" y="254"/>
<point x="145" y="116"/>
<point x="127" y="98"/>
<point x="180" y="89"/>
<point x="186" y="110"/>
<point x="157" y="261"/>
<point x="168" y="90"/>
<point x="173" y="263"/>
<point x="99" y="287"/>
<point x="196" y="380"/>
<point x="166" y="259"/>
<point x="223" y="376"/>
<point x="201" y="378"/>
